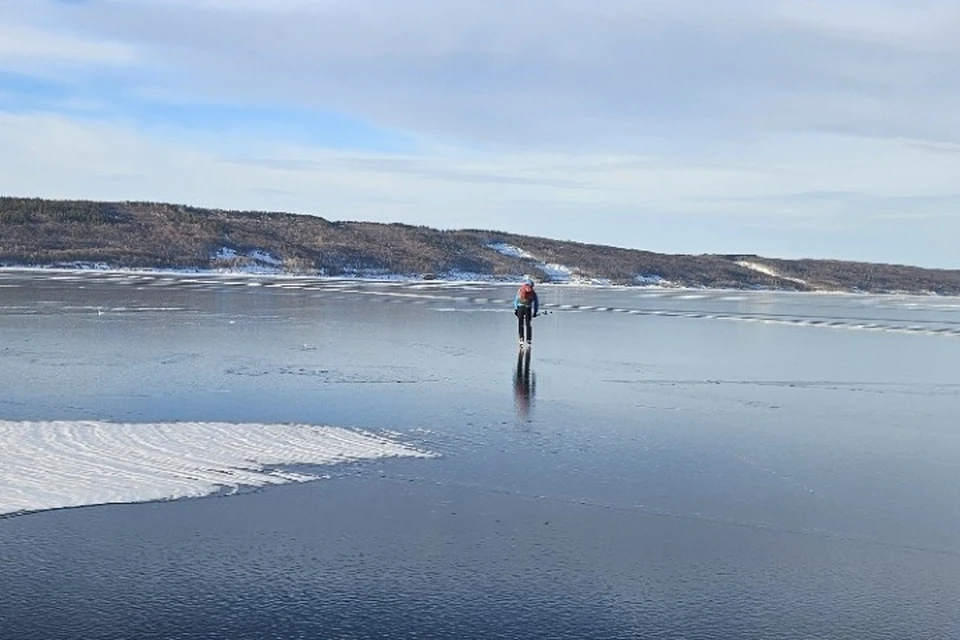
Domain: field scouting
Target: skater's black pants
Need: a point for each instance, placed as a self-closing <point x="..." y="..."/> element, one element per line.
<point x="525" y="322"/>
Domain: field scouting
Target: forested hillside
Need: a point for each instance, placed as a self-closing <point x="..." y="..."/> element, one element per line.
<point x="37" y="232"/>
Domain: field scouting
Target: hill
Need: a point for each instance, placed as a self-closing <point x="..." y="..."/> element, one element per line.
<point x="38" y="232"/>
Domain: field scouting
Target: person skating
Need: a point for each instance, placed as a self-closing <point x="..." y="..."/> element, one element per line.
<point x="526" y="306"/>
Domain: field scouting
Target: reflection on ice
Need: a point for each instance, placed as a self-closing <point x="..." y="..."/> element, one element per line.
<point x="524" y="385"/>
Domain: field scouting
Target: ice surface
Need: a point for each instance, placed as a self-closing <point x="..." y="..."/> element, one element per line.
<point x="50" y="465"/>
<point x="811" y="439"/>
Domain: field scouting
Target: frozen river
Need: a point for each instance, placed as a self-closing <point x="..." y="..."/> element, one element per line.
<point x="379" y="461"/>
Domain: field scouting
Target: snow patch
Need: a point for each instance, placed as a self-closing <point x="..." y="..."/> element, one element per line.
<point x="512" y="251"/>
<point x="225" y="253"/>
<point x="768" y="271"/>
<point x="454" y="276"/>
<point x="649" y="280"/>
<point x="264" y="257"/>
<point x="558" y="273"/>
<point x="52" y="465"/>
<point x="256" y="261"/>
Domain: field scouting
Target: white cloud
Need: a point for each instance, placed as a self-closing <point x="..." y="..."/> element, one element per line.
<point x="680" y="125"/>
<point x="554" y="74"/>
<point x="551" y="74"/>
<point x="923" y="26"/>
<point x="24" y="46"/>
<point x="800" y="193"/>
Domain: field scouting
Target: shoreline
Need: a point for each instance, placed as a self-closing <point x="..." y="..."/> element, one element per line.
<point x="467" y="279"/>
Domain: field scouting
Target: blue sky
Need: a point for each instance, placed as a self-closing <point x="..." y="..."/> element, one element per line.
<point x="785" y="128"/>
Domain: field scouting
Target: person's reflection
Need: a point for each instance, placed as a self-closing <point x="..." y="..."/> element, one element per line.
<point x="524" y="385"/>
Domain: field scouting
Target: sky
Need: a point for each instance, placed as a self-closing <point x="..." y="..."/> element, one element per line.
<point x="784" y="128"/>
